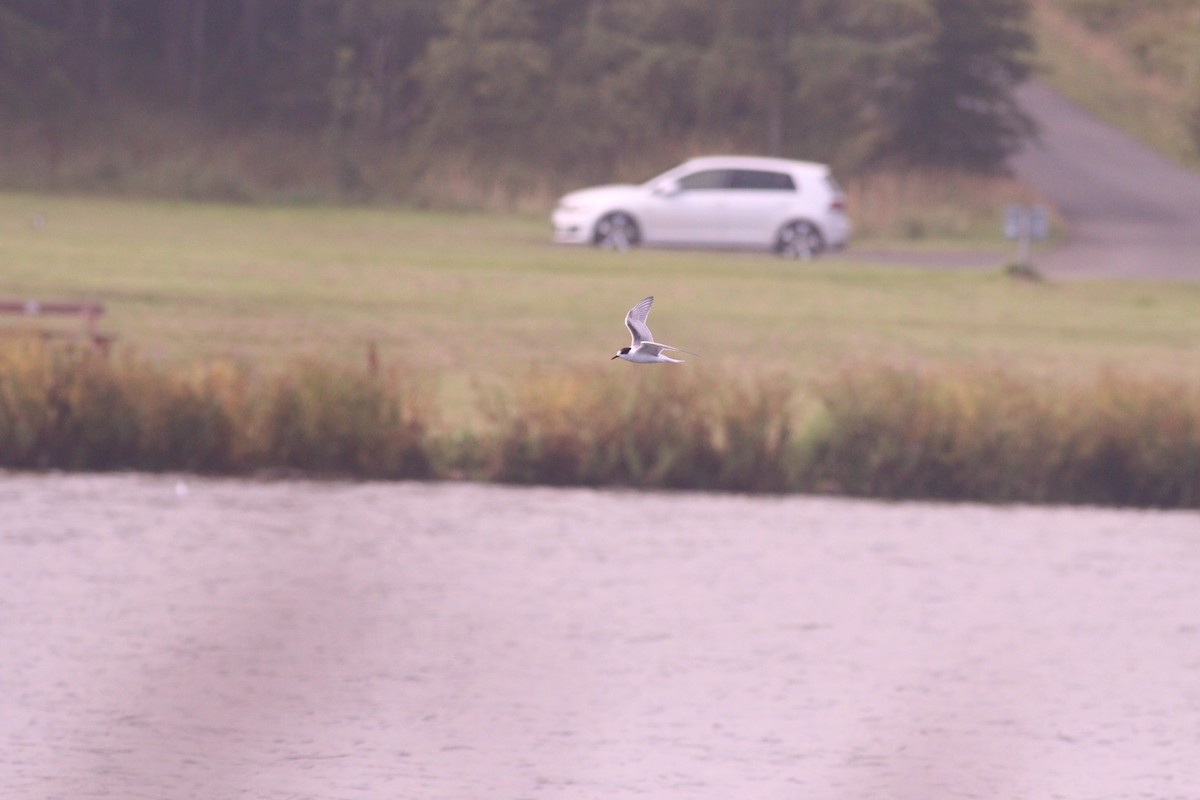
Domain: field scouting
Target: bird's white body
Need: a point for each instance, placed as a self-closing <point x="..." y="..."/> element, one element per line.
<point x="643" y="349"/>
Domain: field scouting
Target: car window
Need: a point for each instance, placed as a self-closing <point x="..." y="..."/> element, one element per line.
<point x="762" y="179"/>
<point x="708" y="179"/>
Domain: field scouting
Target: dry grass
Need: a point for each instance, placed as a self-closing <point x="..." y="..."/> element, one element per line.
<point x="660" y="429"/>
<point x="137" y="152"/>
<point x="144" y="154"/>
<point x="932" y="205"/>
<point x="986" y="434"/>
<point x="955" y="434"/>
<point x="1100" y="73"/>
<point x="70" y="407"/>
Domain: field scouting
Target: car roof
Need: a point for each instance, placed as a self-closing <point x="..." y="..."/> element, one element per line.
<point x="755" y="162"/>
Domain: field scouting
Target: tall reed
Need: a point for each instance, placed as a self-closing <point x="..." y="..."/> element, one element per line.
<point x="63" y="408"/>
<point x="325" y="419"/>
<point x="987" y="435"/>
<point x="880" y="431"/>
<point x="647" y="428"/>
<point x="67" y="407"/>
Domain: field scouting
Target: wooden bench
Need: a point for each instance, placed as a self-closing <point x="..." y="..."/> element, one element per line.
<point x="90" y="313"/>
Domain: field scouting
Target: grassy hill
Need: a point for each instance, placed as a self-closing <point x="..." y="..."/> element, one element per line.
<point x="1135" y="65"/>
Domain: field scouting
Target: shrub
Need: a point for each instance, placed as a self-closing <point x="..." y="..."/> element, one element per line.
<point x="987" y="435"/>
<point x="67" y="407"/>
<point x="62" y="407"/>
<point x="325" y="419"/>
<point x="656" y="428"/>
<point x="881" y="431"/>
<point x="1130" y="442"/>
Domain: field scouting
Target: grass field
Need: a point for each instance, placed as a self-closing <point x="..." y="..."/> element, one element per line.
<point x="478" y="300"/>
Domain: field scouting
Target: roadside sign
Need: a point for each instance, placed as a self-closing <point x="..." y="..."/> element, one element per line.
<point x="1030" y="222"/>
<point x="1025" y="224"/>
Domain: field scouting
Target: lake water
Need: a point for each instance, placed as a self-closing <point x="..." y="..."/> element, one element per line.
<point x="167" y="637"/>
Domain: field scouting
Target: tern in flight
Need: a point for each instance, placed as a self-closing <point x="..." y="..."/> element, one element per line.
<point x="643" y="349"/>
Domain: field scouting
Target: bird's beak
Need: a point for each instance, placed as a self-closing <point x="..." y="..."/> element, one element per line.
<point x="614" y="357"/>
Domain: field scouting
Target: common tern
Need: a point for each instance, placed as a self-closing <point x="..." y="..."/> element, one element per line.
<point x="643" y="349"/>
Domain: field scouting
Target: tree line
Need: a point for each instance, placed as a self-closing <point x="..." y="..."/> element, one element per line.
<point x="548" y="83"/>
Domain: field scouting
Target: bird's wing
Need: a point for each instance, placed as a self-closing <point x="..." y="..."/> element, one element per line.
<point x="635" y="320"/>
<point x="660" y="347"/>
<point x="653" y="348"/>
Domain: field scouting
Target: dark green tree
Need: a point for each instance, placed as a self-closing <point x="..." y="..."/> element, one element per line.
<point x="485" y="82"/>
<point x="812" y="78"/>
<point x="374" y="90"/>
<point x="34" y="83"/>
<point x="572" y="89"/>
<point x="962" y="112"/>
<point x="628" y="80"/>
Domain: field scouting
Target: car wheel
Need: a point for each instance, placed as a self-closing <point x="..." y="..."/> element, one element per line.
<point x="617" y="231"/>
<point x="799" y="240"/>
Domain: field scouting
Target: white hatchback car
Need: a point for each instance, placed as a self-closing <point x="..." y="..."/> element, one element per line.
<point x="795" y="208"/>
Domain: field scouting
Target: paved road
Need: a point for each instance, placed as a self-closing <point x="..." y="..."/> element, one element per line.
<point x="1133" y="213"/>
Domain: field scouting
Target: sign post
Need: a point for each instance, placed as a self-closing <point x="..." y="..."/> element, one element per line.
<point x="1025" y="224"/>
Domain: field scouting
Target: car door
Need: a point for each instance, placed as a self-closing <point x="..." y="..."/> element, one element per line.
<point x="688" y="209"/>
